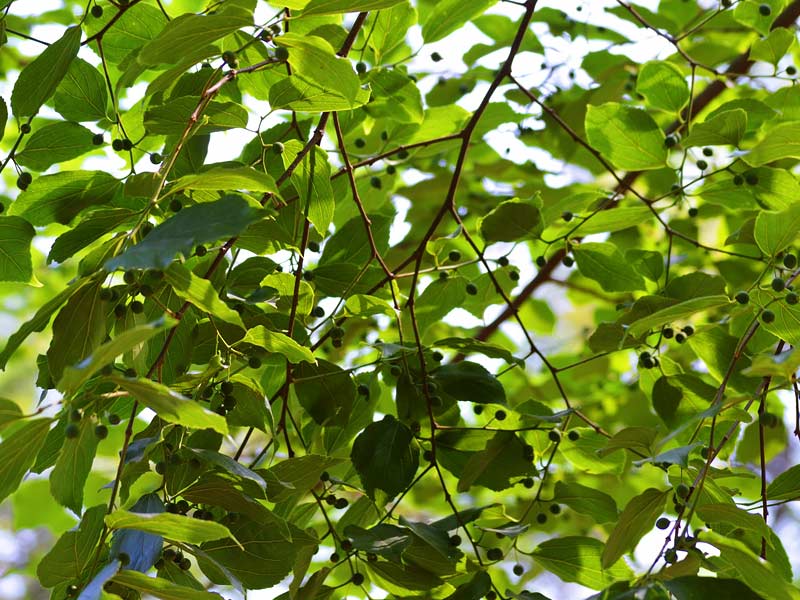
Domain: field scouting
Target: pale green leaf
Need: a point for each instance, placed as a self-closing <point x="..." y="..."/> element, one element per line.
<point x="781" y="141"/>
<point x="171" y="406"/>
<point x="201" y="293"/>
<point x="627" y="137"/>
<point x="327" y="7"/>
<point x="663" y="85"/>
<point x="53" y="144"/>
<point x="723" y="129"/>
<point x="679" y="311"/>
<point x="449" y="15"/>
<point x="279" y="343"/>
<point x="18" y="453"/>
<point x="179" y="528"/>
<point x="161" y="588"/>
<point x="577" y="559"/>
<point x="73" y="467"/>
<point x="606" y="264"/>
<point x="774" y="231"/>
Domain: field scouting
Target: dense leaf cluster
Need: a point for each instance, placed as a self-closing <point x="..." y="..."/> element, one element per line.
<point x="319" y="315"/>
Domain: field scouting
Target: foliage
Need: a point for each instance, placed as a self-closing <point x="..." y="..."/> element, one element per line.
<point x="573" y="354"/>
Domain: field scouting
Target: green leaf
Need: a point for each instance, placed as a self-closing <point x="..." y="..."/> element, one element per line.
<point x="267" y="557"/>
<point x="330" y="7"/>
<point x="316" y="71"/>
<point x="40" y="78"/>
<point x="18" y="453"/>
<point x="187" y="32"/>
<point x="438" y="299"/>
<point x="179" y="528"/>
<point x="734" y="516"/>
<point x="91" y="228"/>
<point x="781" y="141"/>
<point x="786" y="486"/>
<point x="83" y="93"/>
<point x="748" y="13"/>
<point x="475" y="589"/>
<point x="58" y="198"/>
<point x="70" y="557"/>
<point x="297" y="475"/>
<point x="9" y="412"/>
<point x="761" y="576"/>
<point x="16" y="235"/>
<point x="663" y="86"/>
<point x="363" y="305"/>
<point x="450" y="15"/>
<point x="587" y="501"/>
<point x="470" y="382"/>
<point x="198" y="224"/>
<point x="325" y="391"/>
<point x="312" y="181"/>
<point x="39" y="320"/>
<point x="470" y="346"/>
<point x="389" y="541"/>
<point x="502" y="458"/>
<point x="201" y="293"/>
<point x="691" y="587"/>
<point x="227" y="179"/>
<point x="385" y="456"/>
<point x="171" y="118"/>
<point x="278" y="343"/>
<point x="55" y="143"/>
<point x="627" y="137"/>
<point x="73" y="467"/>
<point x="511" y="221"/>
<point x="677" y="312"/>
<point x="636" y="519"/>
<point x="161" y="588"/>
<point x="577" y="559"/>
<point x="618" y="219"/>
<point x="75" y="376"/>
<point x="604" y="263"/>
<point x="774" y="47"/>
<point x="723" y="129"/>
<point x="170" y="405"/>
<point x="79" y="328"/>
<point x="774" y="231"/>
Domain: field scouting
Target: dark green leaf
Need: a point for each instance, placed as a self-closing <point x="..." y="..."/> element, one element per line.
<point x="71" y="555"/>
<point x="577" y="559"/>
<point x="192" y="226"/>
<point x="470" y="382"/>
<point x="16" y="235"/>
<point x="18" y="451"/>
<point x="511" y="221"/>
<point x="386" y="457"/>
<point x="325" y="391"/>
<point x="73" y="467"/>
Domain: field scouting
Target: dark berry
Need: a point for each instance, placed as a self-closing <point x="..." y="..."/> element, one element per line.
<point x="357" y="579"/>
<point x="318" y="312"/>
<point x="478" y="409"/>
<point x="670" y="141"/>
<point x="226" y="387"/>
<point x="502" y="261"/>
<point x="555" y="509"/>
<point x="567" y="216"/>
<point x="254" y="362"/>
<point x="472" y="289"/>
<point x="361" y="67"/>
<point x="313" y="246"/>
<point x="335" y="558"/>
<point x="682" y="490"/>
<point x="341" y="503"/>
<point x="671" y="556"/>
<point x="200" y="251"/>
<point x="185" y="564"/>
<point x="281" y="53"/>
<point x="528" y="482"/>
<point x="668" y="332"/>
<point x="454" y="256"/>
<point x="742" y="297"/>
<point x="778" y="284"/>
<point x="767" y="316"/>
<point x="363" y="390"/>
<point x="790" y="261"/>
<point x="25" y="129"/>
<point x="513" y="275"/>
<point x="156" y="158"/>
<point x="127" y="145"/>
<point x="707" y="152"/>
<point x="680" y="337"/>
<point x="436" y="57"/>
<point x="541" y="261"/>
<point x="455" y="540"/>
<point x="568" y="261"/>
<point x="161" y="467"/>
<point x="101" y="431"/>
<point x="702" y="165"/>
<point x="360" y="142"/>
<point x="764" y="10"/>
<point x="437" y="356"/>
<point x="541" y="518"/>
<point x="790" y="70"/>
<point x="573" y="435"/>
<point x="375" y="182"/>
<point x="688" y="330"/>
<point x="792" y="298"/>
<point x="137" y="307"/>
<point x="500" y="415"/>
<point x="175" y="205"/>
<point x="693" y="212"/>
<point x="97" y="139"/>
<point x="71" y="431"/>
<point x="494" y="554"/>
<point x="751" y="179"/>
<point x="662" y="523"/>
<point x="114" y="419"/>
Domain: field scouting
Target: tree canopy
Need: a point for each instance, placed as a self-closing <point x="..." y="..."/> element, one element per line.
<point x="446" y="299"/>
